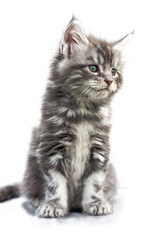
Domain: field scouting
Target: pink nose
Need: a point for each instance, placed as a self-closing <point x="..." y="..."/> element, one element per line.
<point x="108" y="82"/>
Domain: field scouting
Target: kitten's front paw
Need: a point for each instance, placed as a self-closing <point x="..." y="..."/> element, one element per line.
<point x="50" y="210"/>
<point x="98" y="208"/>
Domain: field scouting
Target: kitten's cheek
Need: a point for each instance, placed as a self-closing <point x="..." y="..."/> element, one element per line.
<point x="113" y="87"/>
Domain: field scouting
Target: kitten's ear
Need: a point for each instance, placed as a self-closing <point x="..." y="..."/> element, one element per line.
<point x="121" y="43"/>
<point x="73" y="38"/>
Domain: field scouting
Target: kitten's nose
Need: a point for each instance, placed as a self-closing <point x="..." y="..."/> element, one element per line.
<point x="108" y="82"/>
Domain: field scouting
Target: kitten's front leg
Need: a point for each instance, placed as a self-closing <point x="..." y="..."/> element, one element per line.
<point x="51" y="158"/>
<point x="56" y="200"/>
<point x="93" y="200"/>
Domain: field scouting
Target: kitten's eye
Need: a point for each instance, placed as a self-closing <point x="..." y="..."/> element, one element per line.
<point x="93" y="68"/>
<point x="114" y="72"/>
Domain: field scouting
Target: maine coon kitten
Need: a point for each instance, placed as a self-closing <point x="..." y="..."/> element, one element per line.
<point x="68" y="165"/>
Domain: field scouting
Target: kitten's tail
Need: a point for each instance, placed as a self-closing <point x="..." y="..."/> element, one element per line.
<point x="9" y="192"/>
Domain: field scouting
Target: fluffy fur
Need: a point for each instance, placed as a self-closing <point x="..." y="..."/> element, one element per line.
<point x="68" y="164"/>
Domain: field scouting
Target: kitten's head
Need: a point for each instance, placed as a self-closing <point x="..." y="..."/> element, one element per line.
<point x="88" y="68"/>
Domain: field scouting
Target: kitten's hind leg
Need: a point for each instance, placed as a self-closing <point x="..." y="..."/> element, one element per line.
<point x="33" y="182"/>
<point x="56" y="200"/>
<point x="110" y="182"/>
<point x="35" y="202"/>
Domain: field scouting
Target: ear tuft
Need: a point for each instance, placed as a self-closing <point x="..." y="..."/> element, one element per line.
<point x="73" y="18"/>
<point x="73" y="38"/>
<point x="121" y="43"/>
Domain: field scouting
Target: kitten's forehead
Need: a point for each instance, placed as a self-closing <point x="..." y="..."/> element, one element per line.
<point x="100" y="51"/>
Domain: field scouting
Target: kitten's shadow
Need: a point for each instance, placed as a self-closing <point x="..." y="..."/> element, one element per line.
<point x="29" y="208"/>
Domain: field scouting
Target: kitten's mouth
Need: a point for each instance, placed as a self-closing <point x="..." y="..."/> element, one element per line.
<point x="102" y="89"/>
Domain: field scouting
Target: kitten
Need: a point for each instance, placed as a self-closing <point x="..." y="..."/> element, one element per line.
<point x="68" y="164"/>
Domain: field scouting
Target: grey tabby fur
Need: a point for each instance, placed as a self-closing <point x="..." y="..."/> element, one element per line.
<point x="68" y="165"/>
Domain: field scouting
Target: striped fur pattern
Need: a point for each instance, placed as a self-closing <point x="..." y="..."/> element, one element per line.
<point x="68" y="164"/>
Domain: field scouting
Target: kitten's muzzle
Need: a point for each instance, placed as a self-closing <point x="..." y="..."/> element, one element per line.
<point x="108" y="82"/>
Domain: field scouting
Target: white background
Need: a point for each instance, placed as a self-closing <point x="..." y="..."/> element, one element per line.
<point x="29" y="35"/>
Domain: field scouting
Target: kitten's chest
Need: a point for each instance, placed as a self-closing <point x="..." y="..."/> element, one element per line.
<point x="80" y="150"/>
<point x="86" y="135"/>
